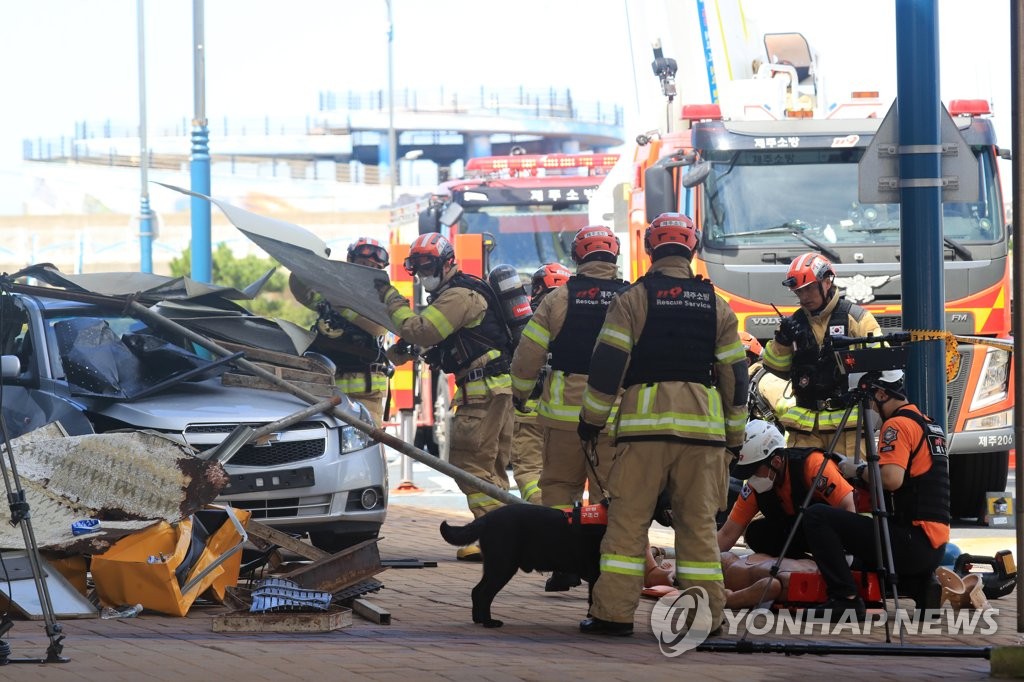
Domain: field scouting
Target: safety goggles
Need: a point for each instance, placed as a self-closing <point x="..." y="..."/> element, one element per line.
<point x="426" y="266"/>
<point x="377" y="254"/>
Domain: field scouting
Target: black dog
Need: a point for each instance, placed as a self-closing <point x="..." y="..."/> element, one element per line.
<point x="526" y="537"/>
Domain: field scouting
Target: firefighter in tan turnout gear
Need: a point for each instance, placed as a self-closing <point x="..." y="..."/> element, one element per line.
<point x="463" y="327"/>
<point x="818" y="386"/>
<point x="672" y="342"/>
<point x="528" y="436"/>
<point x="353" y="343"/>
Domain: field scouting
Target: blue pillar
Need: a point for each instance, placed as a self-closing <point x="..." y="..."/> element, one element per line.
<point x="384" y="158"/>
<point x="202" y="270"/>
<point x="145" y="235"/>
<point x="477" y="146"/>
<point x="920" y="137"/>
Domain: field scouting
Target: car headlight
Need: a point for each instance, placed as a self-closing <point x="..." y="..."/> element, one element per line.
<point x="994" y="382"/>
<point x="353" y="439"/>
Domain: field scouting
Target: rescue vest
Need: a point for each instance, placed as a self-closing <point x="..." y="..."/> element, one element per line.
<point x="768" y="502"/>
<point x="458" y="350"/>
<point x="677" y="342"/>
<point x="356" y="350"/>
<point x="816" y="379"/>
<point x="591" y="514"/>
<point x="589" y="298"/>
<point x="924" y="497"/>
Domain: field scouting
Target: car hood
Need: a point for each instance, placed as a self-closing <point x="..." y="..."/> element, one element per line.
<point x="208" y="402"/>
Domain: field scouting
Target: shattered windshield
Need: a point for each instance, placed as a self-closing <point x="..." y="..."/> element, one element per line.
<point x="527" y="237"/>
<point x="809" y="196"/>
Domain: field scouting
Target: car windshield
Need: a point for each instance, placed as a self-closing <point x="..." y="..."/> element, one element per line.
<point x="118" y="325"/>
<point x="760" y="197"/>
<point x="526" y="237"/>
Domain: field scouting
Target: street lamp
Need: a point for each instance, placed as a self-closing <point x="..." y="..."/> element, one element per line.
<point x="392" y="137"/>
<point x="145" y="214"/>
<point x="202" y="270"/>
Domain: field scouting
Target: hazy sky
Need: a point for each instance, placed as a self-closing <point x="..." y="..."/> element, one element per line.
<point x="66" y="61"/>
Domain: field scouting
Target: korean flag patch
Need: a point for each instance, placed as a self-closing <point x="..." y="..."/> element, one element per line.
<point x="837" y="330"/>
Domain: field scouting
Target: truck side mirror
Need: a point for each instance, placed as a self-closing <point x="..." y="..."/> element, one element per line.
<point x="696" y="175"/>
<point x="10" y="366"/>
<point x="451" y="214"/>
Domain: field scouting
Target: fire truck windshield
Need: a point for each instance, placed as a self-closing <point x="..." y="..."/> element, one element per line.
<point x="757" y="197"/>
<point x="526" y="237"/>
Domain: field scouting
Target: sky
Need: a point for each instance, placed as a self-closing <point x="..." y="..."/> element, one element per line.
<point x="69" y="61"/>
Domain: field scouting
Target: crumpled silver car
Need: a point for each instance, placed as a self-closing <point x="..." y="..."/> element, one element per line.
<point x="96" y="369"/>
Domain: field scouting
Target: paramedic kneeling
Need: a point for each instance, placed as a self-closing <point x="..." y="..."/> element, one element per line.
<point x="914" y="468"/>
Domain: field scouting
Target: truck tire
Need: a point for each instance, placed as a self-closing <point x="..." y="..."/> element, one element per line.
<point x="973" y="474"/>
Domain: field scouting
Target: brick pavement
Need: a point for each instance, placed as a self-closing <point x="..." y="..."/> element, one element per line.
<point x="432" y="638"/>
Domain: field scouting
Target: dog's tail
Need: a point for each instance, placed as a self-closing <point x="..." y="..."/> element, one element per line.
<point x="461" y="535"/>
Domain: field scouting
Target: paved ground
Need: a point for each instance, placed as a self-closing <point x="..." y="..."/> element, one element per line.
<point x="431" y="637"/>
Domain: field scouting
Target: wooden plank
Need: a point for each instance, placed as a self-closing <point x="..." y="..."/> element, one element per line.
<point x="249" y="381"/>
<point x="286" y="621"/>
<point x="371" y="612"/>
<point x="276" y="537"/>
<point x="290" y="374"/>
<point x="253" y="354"/>
<point x="337" y="571"/>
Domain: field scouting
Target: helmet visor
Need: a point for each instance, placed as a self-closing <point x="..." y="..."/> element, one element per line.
<point x="427" y="266"/>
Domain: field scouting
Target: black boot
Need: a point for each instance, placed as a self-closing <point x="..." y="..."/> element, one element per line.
<point x="560" y="582"/>
<point x="596" y="626"/>
<point x="837" y="609"/>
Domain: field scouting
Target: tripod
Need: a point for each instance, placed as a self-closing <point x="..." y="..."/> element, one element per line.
<point x="21" y="516"/>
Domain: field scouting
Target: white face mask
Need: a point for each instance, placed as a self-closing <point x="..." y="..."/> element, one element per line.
<point x="430" y="283"/>
<point x="760" y="484"/>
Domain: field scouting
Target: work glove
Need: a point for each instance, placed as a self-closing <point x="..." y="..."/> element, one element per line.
<point x="787" y="332"/>
<point x="588" y="433"/>
<point x="520" y="405"/>
<point x="400" y="352"/>
<point x="387" y="293"/>
<point x="851" y="469"/>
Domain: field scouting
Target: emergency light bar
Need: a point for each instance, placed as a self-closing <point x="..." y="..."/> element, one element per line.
<point x="531" y="162"/>
<point x="701" y="112"/>
<point x="969" y="107"/>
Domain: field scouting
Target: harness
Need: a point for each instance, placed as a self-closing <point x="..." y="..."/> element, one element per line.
<point x="769" y="503"/>
<point x="817" y="383"/>
<point x="461" y="348"/>
<point x="677" y="342"/>
<point x="925" y="497"/>
<point x="589" y="298"/>
<point x="356" y="350"/>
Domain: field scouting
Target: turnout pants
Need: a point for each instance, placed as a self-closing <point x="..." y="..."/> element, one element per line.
<point x="481" y="445"/>
<point x="832" y="533"/>
<point x="696" y="476"/>
<point x="528" y="458"/>
<point x="823" y="439"/>
<point x="374" y="403"/>
<point x="566" y="469"/>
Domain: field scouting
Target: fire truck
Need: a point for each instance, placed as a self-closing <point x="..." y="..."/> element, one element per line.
<point x="521" y="210"/>
<point x="766" y="182"/>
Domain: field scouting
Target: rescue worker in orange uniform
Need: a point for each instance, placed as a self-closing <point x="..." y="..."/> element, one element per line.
<point x="795" y="353"/>
<point x="777" y="480"/>
<point x="528" y="436"/>
<point x="914" y="468"/>
<point x="673" y="343"/>
<point x="466" y="334"/>
<point x="353" y="343"/>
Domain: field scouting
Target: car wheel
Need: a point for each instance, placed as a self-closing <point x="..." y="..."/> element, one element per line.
<point x="332" y="542"/>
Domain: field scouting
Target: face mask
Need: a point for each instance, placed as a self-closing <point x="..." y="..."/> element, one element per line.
<point x="430" y="283"/>
<point x="760" y="484"/>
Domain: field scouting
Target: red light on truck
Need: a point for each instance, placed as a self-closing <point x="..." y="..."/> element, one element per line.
<point x="969" y="107"/>
<point x="701" y="112"/>
<point x="529" y="162"/>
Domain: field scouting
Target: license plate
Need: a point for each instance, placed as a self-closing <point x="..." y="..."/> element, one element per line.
<point x="277" y="480"/>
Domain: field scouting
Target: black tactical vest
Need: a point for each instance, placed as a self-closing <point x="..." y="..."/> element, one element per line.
<point x="768" y="502"/>
<point x="589" y="298"/>
<point x="356" y="350"/>
<point x="924" y="497"/>
<point x="816" y="379"/>
<point x="677" y="342"/>
<point x="461" y="348"/>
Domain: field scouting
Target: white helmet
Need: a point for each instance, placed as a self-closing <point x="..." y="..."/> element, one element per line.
<point x="760" y="440"/>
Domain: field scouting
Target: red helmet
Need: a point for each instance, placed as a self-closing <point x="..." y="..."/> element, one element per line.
<point x="364" y="247"/>
<point x="750" y="343"/>
<point x="429" y="251"/>
<point x="594" y="239"/>
<point x="672" y="228"/>
<point x="808" y="269"/>
<point x="548" y="277"/>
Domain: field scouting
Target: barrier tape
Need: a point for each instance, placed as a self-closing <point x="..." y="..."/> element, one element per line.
<point x="952" y="356"/>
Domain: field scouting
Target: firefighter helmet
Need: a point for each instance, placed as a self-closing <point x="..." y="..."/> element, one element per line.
<point x="751" y="344"/>
<point x="808" y="269"/>
<point x="548" y="277"/>
<point x="890" y="381"/>
<point x="760" y="440"/>
<point x="670" y="229"/>
<point x="595" y="242"/>
<point x="429" y="253"/>
<point x="368" y="248"/>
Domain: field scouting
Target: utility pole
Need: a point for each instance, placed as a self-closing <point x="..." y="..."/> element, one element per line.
<point x="200" y="162"/>
<point x="145" y="214"/>
<point x="392" y="136"/>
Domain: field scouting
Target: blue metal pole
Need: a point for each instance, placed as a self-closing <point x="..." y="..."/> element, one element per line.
<point x="920" y="138"/>
<point x="145" y="214"/>
<point x="202" y="270"/>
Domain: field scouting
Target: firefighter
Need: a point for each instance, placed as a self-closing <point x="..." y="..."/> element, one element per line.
<point x="565" y="325"/>
<point x="914" y="468"/>
<point x="672" y="342"/>
<point x="527" y="436"/>
<point x="463" y="327"/>
<point x="754" y="350"/>
<point x="777" y="480"/>
<point x="820" y="390"/>
<point x="353" y="343"/>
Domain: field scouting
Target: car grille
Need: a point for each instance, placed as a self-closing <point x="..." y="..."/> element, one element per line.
<point x="273" y="453"/>
<point x="285" y="507"/>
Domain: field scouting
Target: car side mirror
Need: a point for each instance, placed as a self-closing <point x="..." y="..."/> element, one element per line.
<point x="10" y="366"/>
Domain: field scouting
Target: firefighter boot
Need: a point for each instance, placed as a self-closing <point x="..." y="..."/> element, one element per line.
<point x="469" y="553"/>
<point x="560" y="582"/>
<point x="596" y="626"/>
